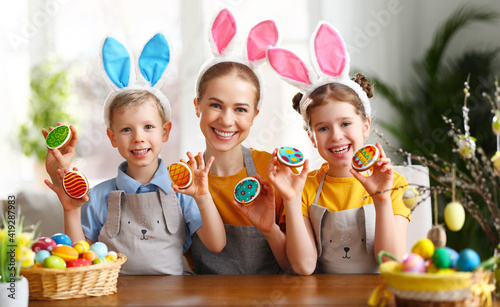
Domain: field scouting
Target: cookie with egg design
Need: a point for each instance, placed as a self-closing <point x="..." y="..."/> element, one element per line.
<point x="290" y="156"/>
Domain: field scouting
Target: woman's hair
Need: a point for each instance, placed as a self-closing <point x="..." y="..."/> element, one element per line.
<point x="335" y="92"/>
<point x="225" y="69"/>
<point x="131" y="98"/>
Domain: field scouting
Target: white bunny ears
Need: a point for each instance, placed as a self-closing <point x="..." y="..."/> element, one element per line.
<point x="331" y="63"/>
<point x="221" y="36"/>
<point x="117" y="65"/>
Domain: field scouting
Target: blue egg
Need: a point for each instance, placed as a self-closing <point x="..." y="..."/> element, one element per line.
<point x="41" y="256"/>
<point x="100" y="249"/>
<point x="453" y="257"/>
<point x="61" y="238"/>
<point x="468" y="260"/>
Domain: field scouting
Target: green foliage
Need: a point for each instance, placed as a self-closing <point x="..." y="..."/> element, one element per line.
<point x="50" y="93"/>
<point x="438" y="90"/>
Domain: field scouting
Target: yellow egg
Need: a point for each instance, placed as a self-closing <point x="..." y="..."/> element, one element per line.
<point x="496" y="162"/>
<point x="454" y="216"/>
<point x="424" y="248"/>
<point x="390" y="266"/>
<point x="411" y="196"/>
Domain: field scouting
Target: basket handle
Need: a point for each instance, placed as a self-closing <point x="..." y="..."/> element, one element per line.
<point x="384" y="253"/>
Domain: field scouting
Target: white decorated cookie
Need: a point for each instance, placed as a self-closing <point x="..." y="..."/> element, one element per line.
<point x="365" y="157"/>
<point x="290" y="156"/>
<point x="58" y="137"/>
<point x="247" y="190"/>
<point x="75" y="184"/>
<point x="180" y="174"/>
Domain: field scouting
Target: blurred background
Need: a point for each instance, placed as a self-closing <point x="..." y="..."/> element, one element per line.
<point x="418" y="53"/>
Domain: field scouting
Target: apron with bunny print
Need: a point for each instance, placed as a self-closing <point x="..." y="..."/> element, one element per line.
<point x="345" y="239"/>
<point x="149" y="229"/>
<point x="246" y="250"/>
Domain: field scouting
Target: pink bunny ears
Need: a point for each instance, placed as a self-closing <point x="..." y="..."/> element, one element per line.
<point x="331" y="63"/>
<point x="221" y="39"/>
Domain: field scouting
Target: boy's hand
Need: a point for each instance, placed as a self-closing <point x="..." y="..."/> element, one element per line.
<point x="262" y="211"/>
<point x="382" y="178"/>
<point x="199" y="186"/>
<point x="68" y="203"/>
<point x="60" y="159"/>
<point x="288" y="184"/>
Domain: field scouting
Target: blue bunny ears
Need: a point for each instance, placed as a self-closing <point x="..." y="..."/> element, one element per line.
<point x="116" y="63"/>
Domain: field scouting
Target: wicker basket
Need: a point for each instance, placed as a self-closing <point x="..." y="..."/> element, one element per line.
<point x="61" y="284"/>
<point x="435" y="289"/>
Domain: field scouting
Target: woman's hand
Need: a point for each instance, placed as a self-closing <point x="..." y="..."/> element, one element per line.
<point x="199" y="187"/>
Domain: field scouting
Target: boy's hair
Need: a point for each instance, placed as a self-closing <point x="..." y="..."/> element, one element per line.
<point x="335" y="92"/>
<point x="130" y="98"/>
<point x="226" y="69"/>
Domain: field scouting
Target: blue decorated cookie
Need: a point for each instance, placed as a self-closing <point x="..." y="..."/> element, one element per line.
<point x="290" y="156"/>
<point x="247" y="190"/>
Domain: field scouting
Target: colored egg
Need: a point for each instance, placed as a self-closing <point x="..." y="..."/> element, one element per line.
<point x="90" y="255"/>
<point x="81" y="246"/>
<point x="247" y="190"/>
<point x="365" y="157"/>
<point x="100" y="260"/>
<point x="496" y="162"/>
<point x="441" y="258"/>
<point x="453" y="257"/>
<point x="468" y="260"/>
<point x="466" y="146"/>
<point x="437" y="235"/>
<point x="54" y="262"/>
<point x="61" y="238"/>
<point x="454" y="216"/>
<point x="75" y="184"/>
<point x="111" y="256"/>
<point x="58" y="137"/>
<point x="495" y="125"/>
<point x="78" y="263"/>
<point x="290" y="156"/>
<point x="180" y="174"/>
<point x="391" y="266"/>
<point x="424" y="248"/>
<point x="43" y="243"/>
<point x="411" y="196"/>
<point x="413" y="263"/>
<point x="100" y="249"/>
<point x="41" y="255"/>
<point x="431" y="267"/>
<point x="66" y="252"/>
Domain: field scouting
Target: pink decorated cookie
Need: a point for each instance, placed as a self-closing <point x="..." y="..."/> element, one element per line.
<point x="58" y="137"/>
<point x="290" y="156"/>
<point x="247" y="190"/>
<point x="365" y="157"/>
<point x="75" y="184"/>
<point x="180" y="174"/>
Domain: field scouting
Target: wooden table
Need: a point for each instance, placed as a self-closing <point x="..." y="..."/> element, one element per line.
<point x="235" y="290"/>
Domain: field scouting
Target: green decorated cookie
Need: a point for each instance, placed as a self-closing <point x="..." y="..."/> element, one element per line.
<point x="58" y="137"/>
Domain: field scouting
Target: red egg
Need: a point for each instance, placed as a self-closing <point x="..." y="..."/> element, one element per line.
<point x="66" y="252"/>
<point x="78" y="263"/>
<point x="43" y="243"/>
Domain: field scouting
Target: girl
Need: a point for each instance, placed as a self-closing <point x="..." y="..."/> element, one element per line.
<point x="227" y="100"/>
<point x="350" y="216"/>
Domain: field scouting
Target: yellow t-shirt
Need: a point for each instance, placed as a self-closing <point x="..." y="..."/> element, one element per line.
<point x="222" y="189"/>
<point x="346" y="193"/>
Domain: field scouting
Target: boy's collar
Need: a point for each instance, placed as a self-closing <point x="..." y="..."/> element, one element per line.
<point x="131" y="186"/>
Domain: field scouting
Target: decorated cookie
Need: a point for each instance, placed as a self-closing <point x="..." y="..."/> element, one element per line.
<point x="365" y="157"/>
<point x="58" y="137"/>
<point x="247" y="190"/>
<point x="75" y="184"/>
<point x="290" y="156"/>
<point x="180" y="174"/>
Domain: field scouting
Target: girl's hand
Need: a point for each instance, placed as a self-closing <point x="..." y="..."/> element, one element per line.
<point x="262" y="211"/>
<point x="288" y="184"/>
<point x="68" y="203"/>
<point x="60" y="159"/>
<point x="199" y="186"/>
<point x="382" y="178"/>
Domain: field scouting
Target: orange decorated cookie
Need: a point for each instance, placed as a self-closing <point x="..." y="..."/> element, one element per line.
<point x="365" y="157"/>
<point x="75" y="184"/>
<point x="180" y="174"/>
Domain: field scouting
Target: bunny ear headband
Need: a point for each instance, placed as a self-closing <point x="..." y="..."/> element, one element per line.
<point x="331" y="63"/>
<point x="221" y="36"/>
<point x="116" y="63"/>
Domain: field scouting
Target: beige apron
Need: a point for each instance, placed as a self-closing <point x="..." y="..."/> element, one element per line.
<point x="149" y="229"/>
<point x="246" y="251"/>
<point x="344" y="239"/>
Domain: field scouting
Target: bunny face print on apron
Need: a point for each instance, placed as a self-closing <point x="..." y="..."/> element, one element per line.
<point x="246" y="251"/>
<point x="344" y="239"/>
<point x="149" y="229"/>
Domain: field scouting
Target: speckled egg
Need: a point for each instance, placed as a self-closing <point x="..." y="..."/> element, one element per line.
<point x="41" y="256"/>
<point x="61" y="238"/>
<point x="43" y="243"/>
<point x="453" y="257"/>
<point x="100" y="249"/>
<point x="81" y="246"/>
<point x="100" y="260"/>
<point x="54" y="262"/>
<point x="466" y="146"/>
<point x="441" y="258"/>
<point x="413" y="263"/>
<point x="66" y="252"/>
<point x="78" y="263"/>
<point x="424" y="248"/>
<point x="411" y="196"/>
<point x="468" y="260"/>
<point x="454" y="216"/>
<point x="90" y="255"/>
